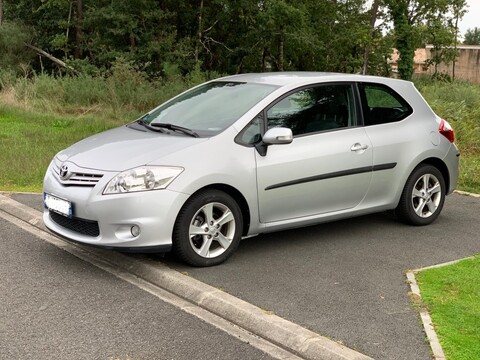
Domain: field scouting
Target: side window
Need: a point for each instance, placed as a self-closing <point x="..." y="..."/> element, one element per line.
<point x="382" y="105"/>
<point x="320" y="108"/>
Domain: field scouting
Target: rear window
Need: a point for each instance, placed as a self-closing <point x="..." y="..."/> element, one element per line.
<point x="382" y="105"/>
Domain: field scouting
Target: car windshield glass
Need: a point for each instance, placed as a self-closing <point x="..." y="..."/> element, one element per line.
<point x="210" y="108"/>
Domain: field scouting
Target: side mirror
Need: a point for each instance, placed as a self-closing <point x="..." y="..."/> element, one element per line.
<point x="278" y="136"/>
<point x="274" y="136"/>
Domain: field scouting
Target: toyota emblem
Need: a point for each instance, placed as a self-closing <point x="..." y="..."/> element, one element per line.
<point x="64" y="172"/>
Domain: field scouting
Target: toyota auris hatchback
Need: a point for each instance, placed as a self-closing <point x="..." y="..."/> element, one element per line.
<point x="250" y="154"/>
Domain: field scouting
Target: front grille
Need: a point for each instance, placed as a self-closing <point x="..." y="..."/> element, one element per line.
<point x="81" y="226"/>
<point x="79" y="176"/>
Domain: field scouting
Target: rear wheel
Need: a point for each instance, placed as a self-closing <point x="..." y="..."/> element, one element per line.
<point x="423" y="196"/>
<point x="208" y="228"/>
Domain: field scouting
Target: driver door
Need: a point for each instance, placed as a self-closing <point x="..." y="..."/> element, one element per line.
<point x="327" y="167"/>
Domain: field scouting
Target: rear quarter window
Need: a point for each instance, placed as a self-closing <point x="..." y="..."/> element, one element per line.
<point x="382" y="105"/>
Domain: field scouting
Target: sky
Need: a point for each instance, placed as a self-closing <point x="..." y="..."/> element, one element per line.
<point x="472" y="18"/>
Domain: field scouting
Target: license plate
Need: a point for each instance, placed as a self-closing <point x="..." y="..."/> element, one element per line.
<point x="61" y="206"/>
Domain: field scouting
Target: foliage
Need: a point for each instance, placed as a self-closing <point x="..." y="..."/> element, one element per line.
<point x="418" y="22"/>
<point x="472" y="37"/>
<point x="14" y="53"/>
<point x="404" y="40"/>
<point x="451" y="294"/>
<point x="151" y="34"/>
<point x="232" y="36"/>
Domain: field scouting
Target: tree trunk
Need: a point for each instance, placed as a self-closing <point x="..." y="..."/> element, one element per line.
<point x="281" y="47"/>
<point x="78" y="30"/>
<point x="404" y="41"/>
<point x="51" y="57"/>
<point x="455" y="46"/>
<point x="200" y="33"/>
<point x="373" y="19"/>
<point x="1" y="12"/>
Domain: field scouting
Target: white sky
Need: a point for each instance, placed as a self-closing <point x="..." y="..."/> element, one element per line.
<point x="472" y="18"/>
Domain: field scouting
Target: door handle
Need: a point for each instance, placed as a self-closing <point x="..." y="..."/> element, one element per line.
<point x="358" y="147"/>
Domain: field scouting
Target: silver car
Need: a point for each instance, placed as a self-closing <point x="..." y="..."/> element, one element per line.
<point x="250" y="154"/>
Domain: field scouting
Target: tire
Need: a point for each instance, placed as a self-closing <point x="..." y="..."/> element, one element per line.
<point x="208" y="228"/>
<point x="423" y="196"/>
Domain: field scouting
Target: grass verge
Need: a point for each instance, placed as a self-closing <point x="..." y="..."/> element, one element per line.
<point x="29" y="140"/>
<point x="452" y="294"/>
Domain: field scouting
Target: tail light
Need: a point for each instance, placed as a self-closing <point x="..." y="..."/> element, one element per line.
<point x="446" y="130"/>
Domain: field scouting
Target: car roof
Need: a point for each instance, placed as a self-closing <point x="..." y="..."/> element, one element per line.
<point x="301" y="77"/>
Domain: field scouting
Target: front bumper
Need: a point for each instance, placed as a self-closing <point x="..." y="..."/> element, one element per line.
<point x="153" y="212"/>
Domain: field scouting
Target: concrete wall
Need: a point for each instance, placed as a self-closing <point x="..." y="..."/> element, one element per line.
<point x="467" y="66"/>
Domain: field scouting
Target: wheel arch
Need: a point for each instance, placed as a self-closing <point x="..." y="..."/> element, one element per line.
<point x="238" y="197"/>
<point x="441" y="166"/>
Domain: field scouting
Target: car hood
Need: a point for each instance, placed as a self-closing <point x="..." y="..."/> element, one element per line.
<point x="125" y="148"/>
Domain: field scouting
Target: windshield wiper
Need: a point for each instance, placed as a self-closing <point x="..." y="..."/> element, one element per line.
<point x="148" y="126"/>
<point x="174" y="128"/>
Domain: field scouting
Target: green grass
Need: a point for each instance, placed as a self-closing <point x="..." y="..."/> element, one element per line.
<point x="29" y="140"/>
<point x="469" y="173"/>
<point x="452" y="296"/>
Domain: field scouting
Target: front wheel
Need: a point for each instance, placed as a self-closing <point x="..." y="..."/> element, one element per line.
<point x="423" y="196"/>
<point x="208" y="228"/>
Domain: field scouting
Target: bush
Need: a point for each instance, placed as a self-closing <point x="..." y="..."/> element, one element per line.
<point x="13" y="37"/>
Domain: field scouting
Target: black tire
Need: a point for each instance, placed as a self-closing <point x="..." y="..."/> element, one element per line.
<point x="423" y="196"/>
<point x="197" y="237"/>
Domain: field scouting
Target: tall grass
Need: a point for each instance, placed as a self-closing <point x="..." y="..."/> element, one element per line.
<point x="123" y="92"/>
<point x="459" y="103"/>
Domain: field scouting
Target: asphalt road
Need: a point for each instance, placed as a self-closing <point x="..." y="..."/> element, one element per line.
<point x="56" y="306"/>
<point x="345" y="280"/>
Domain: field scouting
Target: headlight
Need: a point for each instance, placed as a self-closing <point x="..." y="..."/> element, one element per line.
<point x="142" y="178"/>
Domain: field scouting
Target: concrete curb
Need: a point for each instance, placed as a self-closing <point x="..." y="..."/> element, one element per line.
<point x="432" y="337"/>
<point x="466" y="193"/>
<point x="273" y="328"/>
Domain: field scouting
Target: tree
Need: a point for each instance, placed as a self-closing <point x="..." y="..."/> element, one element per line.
<point x="409" y="16"/>
<point x="162" y="37"/>
<point x="373" y="19"/>
<point x="404" y="39"/>
<point x="472" y="37"/>
<point x="441" y="37"/>
<point x="459" y="8"/>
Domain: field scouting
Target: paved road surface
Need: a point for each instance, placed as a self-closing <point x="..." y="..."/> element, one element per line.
<point x="345" y="280"/>
<point x="56" y="306"/>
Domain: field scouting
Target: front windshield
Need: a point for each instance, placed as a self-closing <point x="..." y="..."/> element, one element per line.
<point x="210" y="108"/>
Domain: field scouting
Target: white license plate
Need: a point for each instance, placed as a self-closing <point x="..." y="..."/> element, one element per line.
<point x="58" y="205"/>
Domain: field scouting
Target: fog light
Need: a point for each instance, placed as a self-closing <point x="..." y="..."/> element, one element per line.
<point x="135" y="230"/>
